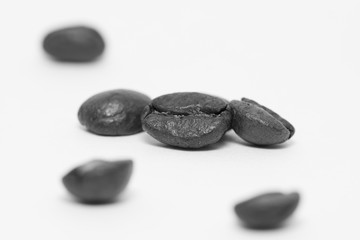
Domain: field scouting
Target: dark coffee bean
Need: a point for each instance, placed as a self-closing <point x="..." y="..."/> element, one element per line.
<point x="187" y="119"/>
<point x="288" y="125"/>
<point x="268" y="210"/>
<point x="98" y="181"/>
<point x="114" y="113"/>
<point x="259" y="125"/>
<point x="75" y="44"/>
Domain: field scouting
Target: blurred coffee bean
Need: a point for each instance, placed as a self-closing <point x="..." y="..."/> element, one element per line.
<point x="74" y="44"/>
<point x="98" y="181"/>
<point x="267" y="210"/>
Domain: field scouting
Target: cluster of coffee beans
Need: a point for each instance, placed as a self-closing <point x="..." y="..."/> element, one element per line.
<point x="184" y="119"/>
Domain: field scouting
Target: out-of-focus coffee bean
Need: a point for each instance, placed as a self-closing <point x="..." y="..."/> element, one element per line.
<point x="74" y="44"/>
<point x="98" y="181"/>
<point x="267" y="210"/>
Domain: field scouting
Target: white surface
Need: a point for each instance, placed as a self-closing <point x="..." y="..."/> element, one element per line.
<point x="300" y="58"/>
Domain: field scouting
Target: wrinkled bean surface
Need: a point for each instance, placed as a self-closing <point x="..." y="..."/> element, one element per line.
<point x="187" y="119"/>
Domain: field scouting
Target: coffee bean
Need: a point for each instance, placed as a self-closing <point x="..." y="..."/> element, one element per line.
<point x="274" y="114"/>
<point x="187" y="119"/>
<point x="74" y="44"/>
<point x="268" y="210"/>
<point x="98" y="181"/>
<point x="113" y="113"/>
<point x="259" y="125"/>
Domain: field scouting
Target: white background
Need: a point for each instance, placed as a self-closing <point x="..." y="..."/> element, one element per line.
<point x="300" y="58"/>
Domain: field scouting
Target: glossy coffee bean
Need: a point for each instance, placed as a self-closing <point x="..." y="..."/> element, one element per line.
<point x="98" y="181"/>
<point x="114" y="113"/>
<point x="74" y="44"/>
<point x="268" y="210"/>
<point x="187" y="119"/>
<point x="259" y="125"/>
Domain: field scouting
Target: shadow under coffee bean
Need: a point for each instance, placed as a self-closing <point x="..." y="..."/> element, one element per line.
<point x="187" y="119"/>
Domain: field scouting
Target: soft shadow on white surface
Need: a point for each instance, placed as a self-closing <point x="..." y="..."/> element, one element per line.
<point x="151" y="141"/>
<point x="286" y="226"/>
<point x="54" y="61"/>
<point x="272" y="233"/>
<point x="122" y="199"/>
<point x="235" y="139"/>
